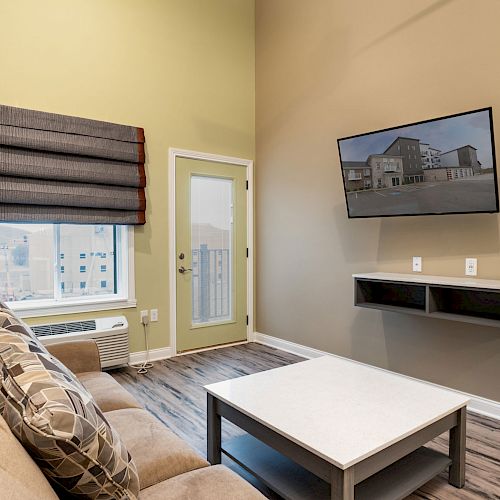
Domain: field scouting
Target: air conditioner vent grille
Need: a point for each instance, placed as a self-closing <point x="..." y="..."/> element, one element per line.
<point x="110" y="335"/>
<point x="61" y="328"/>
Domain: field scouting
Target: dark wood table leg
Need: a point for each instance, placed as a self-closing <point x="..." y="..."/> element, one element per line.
<point x="342" y="484"/>
<point x="456" y="475"/>
<point x="213" y="431"/>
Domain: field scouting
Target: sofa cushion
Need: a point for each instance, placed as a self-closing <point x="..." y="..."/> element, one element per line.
<point x="212" y="483"/>
<point x="15" y="466"/>
<point x="157" y="452"/>
<point x="58" y="423"/>
<point x="108" y="394"/>
<point x="77" y="355"/>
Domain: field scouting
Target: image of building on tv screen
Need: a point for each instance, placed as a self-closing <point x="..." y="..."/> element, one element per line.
<point x="440" y="166"/>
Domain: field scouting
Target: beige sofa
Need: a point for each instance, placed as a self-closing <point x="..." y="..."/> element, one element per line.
<point x="167" y="467"/>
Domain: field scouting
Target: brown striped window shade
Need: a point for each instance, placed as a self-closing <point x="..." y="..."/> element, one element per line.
<point x="63" y="169"/>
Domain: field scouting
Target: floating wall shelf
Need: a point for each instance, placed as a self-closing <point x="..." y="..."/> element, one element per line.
<point x="459" y="299"/>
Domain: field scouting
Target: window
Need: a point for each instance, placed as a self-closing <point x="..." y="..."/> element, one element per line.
<point x="353" y="175"/>
<point x="30" y="253"/>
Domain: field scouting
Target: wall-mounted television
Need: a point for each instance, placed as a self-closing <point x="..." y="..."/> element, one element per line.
<point x="440" y="166"/>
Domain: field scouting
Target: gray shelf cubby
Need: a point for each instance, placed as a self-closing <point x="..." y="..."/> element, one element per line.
<point x="470" y="301"/>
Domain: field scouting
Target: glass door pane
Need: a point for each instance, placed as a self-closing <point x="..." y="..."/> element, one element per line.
<point x="212" y="249"/>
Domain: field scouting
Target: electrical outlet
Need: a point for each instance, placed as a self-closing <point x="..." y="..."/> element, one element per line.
<point x="417" y="264"/>
<point x="145" y="317"/>
<point x="154" y="314"/>
<point x="470" y="267"/>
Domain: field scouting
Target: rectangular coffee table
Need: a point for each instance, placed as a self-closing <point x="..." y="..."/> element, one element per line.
<point x="333" y="428"/>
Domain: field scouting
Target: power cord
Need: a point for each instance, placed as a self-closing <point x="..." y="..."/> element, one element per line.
<point x="142" y="368"/>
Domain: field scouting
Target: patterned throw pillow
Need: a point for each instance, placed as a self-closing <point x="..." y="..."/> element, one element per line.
<point x="57" y="421"/>
<point x="9" y="321"/>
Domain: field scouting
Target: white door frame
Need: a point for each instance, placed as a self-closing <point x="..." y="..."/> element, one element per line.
<point x="173" y="154"/>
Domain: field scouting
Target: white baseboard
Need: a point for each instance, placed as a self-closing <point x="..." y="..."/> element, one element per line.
<point x="477" y="404"/>
<point x="154" y="355"/>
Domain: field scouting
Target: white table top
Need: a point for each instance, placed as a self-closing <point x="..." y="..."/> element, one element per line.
<point x="427" y="279"/>
<point x="338" y="409"/>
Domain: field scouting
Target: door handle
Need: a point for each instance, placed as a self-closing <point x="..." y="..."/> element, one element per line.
<point x="183" y="270"/>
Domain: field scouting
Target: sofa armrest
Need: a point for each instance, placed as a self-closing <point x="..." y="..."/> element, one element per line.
<point x="78" y="355"/>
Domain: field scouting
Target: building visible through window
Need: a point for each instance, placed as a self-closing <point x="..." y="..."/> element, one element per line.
<point x="29" y="253"/>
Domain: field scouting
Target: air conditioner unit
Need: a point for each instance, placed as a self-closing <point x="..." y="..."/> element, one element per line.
<point x="110" y="334"/>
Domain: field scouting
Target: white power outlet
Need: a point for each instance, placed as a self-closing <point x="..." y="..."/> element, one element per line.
<point x="417" y="264"/>
<point x="154" y="315"/>
<point x="470" y="267"/>
<point x="145" y="317"/>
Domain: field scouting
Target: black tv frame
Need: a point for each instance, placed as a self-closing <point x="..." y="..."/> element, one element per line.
<point x="492" y="136"/>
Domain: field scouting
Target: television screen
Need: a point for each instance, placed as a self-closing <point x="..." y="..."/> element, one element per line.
<point x="440" y="166"/>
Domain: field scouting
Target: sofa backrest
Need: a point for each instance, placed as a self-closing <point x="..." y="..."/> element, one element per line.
<point x="20" y="477"/>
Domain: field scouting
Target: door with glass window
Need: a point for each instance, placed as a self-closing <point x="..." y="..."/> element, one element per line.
<point x="211" y="253"/>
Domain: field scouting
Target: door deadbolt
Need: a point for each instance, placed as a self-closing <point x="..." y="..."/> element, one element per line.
<point x="181" y="256"/>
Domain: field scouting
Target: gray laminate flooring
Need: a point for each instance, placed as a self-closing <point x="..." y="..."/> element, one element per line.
<point x="173" y="392"/>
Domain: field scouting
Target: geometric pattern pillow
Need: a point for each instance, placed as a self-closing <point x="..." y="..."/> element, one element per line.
<point x="57" y="421"/>
<point x="9" y="321"/>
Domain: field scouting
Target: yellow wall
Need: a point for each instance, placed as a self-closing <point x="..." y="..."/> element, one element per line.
<point x="183" y="70"/>
<point x="343" y="67"/>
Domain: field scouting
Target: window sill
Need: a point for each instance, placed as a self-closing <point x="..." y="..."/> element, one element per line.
<point x="33" y="311"/>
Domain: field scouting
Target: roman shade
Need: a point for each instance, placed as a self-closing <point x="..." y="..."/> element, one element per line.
<point x="64" y="169"/>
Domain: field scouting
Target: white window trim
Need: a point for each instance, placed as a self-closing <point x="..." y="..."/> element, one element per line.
<point x="33" y="309"/>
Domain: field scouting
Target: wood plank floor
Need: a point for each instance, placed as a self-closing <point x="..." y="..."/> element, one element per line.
<point x="173" y="392"/>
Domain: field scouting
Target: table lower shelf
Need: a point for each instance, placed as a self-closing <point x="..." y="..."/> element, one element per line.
<point x="291" y="481"/>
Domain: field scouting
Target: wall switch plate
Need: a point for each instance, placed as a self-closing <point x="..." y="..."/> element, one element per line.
<point x="154" y="314"/>
<point x="470" y="267"/>
<point x="417" y="264"/>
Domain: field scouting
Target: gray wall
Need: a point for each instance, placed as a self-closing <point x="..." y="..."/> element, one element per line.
<point x="325" y="71"/>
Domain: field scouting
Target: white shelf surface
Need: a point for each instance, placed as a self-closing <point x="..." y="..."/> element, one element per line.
<point x="426" y="279"/>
